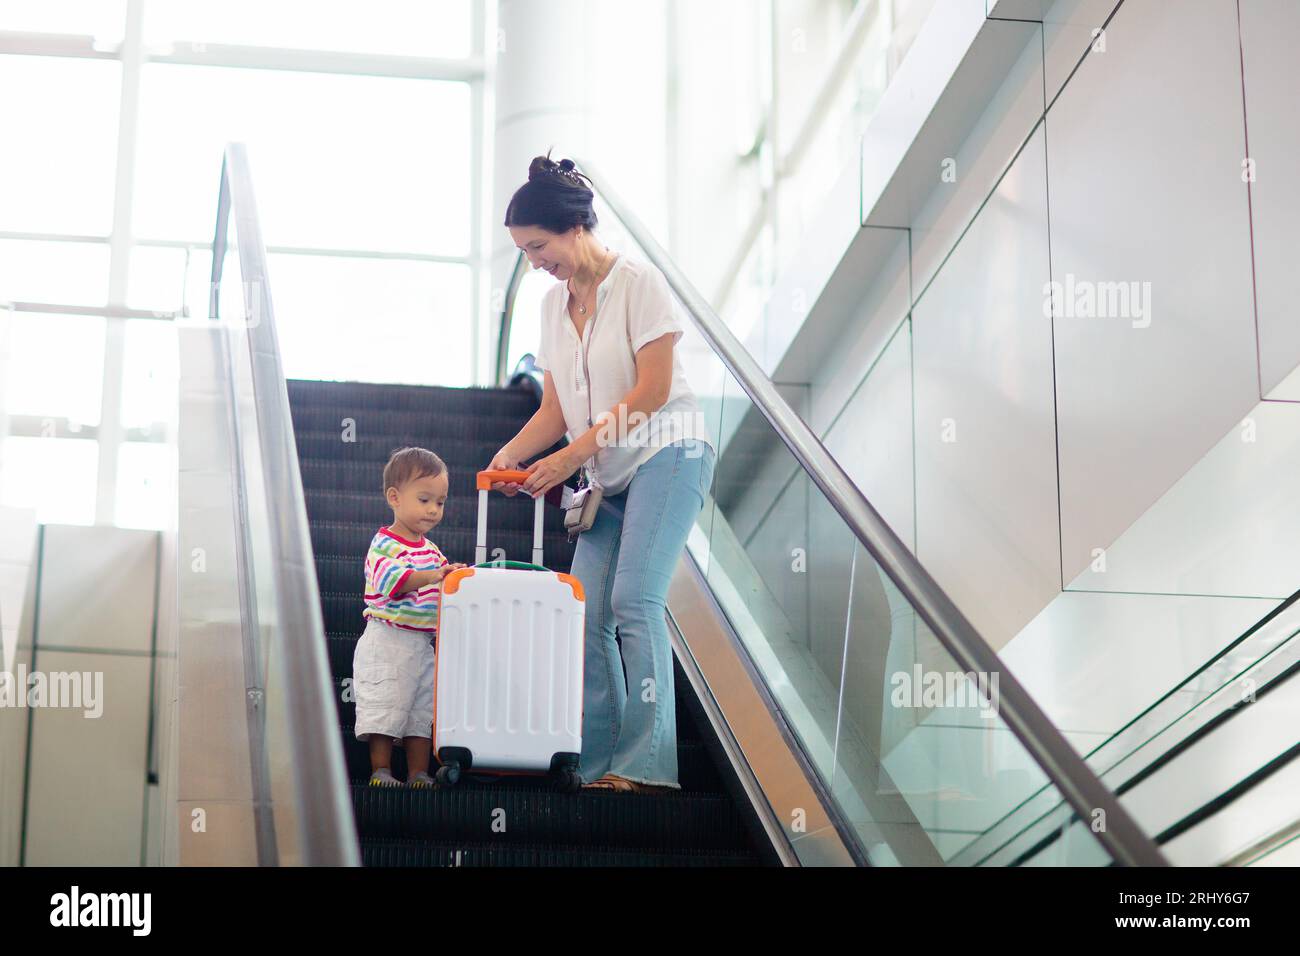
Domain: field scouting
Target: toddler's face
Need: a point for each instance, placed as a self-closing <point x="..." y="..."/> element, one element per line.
<point x="418" y="504"/>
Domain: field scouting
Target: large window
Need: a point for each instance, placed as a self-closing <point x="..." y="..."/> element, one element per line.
<point x="799" y="80"/>
<point x="367" y="155"/>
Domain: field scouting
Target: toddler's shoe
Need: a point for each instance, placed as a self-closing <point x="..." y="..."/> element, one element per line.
<point x="421" y="781"/>
<point x="384" y="778"/>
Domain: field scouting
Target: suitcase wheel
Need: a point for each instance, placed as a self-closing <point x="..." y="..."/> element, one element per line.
<point x="453" y="760"/>
<point x="567" y="781"/>
<point x="564" y="772"/>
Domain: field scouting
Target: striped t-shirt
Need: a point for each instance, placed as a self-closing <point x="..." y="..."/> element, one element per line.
<point x="389" y="562"/>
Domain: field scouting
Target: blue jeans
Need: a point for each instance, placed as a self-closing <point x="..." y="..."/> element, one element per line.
<point x="625" y="563"/>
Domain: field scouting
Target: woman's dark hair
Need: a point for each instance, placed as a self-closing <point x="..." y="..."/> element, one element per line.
<point x="556" y="197"/>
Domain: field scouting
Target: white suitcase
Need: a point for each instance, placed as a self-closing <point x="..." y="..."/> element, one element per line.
<point x="508" y="680"/>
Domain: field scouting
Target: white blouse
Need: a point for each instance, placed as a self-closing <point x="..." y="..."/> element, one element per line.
<point x="633" y="308"/>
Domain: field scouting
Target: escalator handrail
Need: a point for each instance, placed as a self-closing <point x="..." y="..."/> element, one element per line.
<point x="326" y="828"/>
<point x="1077" y="783"/>
<point x="507" y="315"/>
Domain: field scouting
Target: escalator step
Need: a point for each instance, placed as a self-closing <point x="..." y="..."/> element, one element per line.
<point x="444" y="400"/>
<point x="470" y="452"/>
<point x="669" y="821"/>
<point x="347" y="574"/>
<point x="415" y="853"/>
<point x="695" y="770"/>
<point x="367" y="476"/>
<point x="330" y="446"/>
<point x="369" y="508"/>
<point x="414" y="427"/>
<point x="342" y="612"/>
<point x="346" y="539"/>
<point x="698" y="825"/>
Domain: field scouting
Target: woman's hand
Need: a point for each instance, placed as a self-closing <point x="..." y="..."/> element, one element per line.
<point x="545" y="474"/>
<point x="505" y="460"/>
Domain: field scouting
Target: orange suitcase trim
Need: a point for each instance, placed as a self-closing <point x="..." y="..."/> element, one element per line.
<point x="573" y="583"/>
<point x="451" y="584"/>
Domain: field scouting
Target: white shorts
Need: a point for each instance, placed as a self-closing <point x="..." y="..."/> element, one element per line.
<point x="392" y="681"/>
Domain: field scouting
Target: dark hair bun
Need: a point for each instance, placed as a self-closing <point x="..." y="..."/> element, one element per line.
<point x="556" y="197"/>
<point x="540" y="168"/>
<point x="546" y="169"/>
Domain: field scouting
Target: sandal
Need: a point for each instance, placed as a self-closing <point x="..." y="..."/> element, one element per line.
<point x="622" y="785"/>
<point x="383" y="777"/>
<point x="421" y="781"/>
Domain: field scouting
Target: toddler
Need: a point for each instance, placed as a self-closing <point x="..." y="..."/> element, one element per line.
<point x="392" y="667"/>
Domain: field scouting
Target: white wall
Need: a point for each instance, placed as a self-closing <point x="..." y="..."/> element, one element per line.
<point x="589" y="79"/>
<point x="84" y="781"/>
<point x="1114" y="165"/>
<point x="18" y="554"/>
<point x="1269" y="29"/>
<point x="1144" y="162"/>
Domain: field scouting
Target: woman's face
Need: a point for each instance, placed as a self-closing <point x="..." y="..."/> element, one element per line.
<point x="556" y="253"/>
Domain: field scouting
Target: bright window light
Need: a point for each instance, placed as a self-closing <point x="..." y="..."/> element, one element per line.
<point x="59" y="122"/>
<point x="373" y="320"/>
<point x="146" y="485"/>
<point x="526" y="320"/>
<point x="56" y="367"/>
<point x="433" y="28"/>
<point x="69" y="273"/>
<point x="102" y="19"/>
<point x="157" y="279"/>
<point x="198" y="282"/>
<point x="345" y="162"/>
<point x="56" y="476"/>
<point x="149" y="374"/>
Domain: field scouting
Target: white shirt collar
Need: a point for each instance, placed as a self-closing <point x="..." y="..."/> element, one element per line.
<point x="602" y="289"/>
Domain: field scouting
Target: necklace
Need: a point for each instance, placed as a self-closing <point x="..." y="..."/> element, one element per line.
<point x="582" y="309"/>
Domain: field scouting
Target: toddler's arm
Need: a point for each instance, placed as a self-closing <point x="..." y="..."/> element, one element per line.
<point x="422" y="579"/>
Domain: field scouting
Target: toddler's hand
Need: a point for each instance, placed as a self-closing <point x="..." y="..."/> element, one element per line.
<point x="446" y="569"/>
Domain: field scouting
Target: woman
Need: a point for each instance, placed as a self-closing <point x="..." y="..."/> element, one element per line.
<point x="610" y="322"/>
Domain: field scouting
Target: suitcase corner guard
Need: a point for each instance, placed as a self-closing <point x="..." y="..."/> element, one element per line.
<point x="451" y="583"/>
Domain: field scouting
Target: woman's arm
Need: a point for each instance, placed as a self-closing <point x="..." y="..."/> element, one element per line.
<point x="543" y="430"/>
<point x="654" y="381"/>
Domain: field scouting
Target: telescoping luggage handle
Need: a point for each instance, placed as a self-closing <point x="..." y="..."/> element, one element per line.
<point x="484" y="484"/>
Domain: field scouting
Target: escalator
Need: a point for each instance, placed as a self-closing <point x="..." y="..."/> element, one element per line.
<point x="1210" y="768"/>
<point x="702" y="825"/>
<point x="791" y="612"/>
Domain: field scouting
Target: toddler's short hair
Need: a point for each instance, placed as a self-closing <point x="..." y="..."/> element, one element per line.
<point x="411" y="464"/>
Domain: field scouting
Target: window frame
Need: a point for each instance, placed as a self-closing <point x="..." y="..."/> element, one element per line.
<point x="133" y="54"/>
